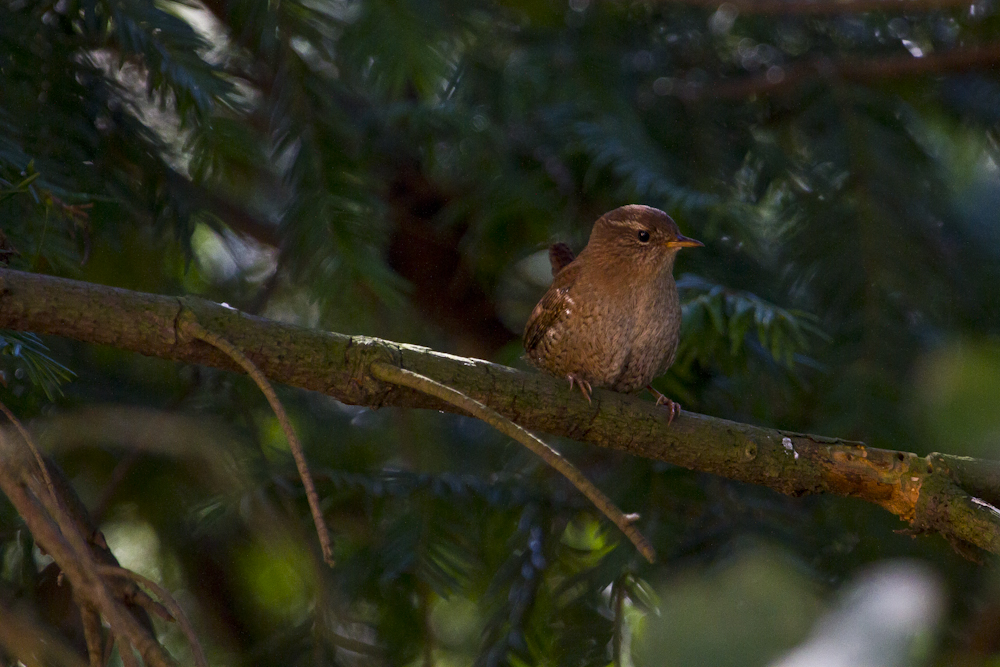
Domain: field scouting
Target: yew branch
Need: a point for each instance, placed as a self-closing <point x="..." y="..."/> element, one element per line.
<point x="937" y="493"/>
<point x="538" y="446"/>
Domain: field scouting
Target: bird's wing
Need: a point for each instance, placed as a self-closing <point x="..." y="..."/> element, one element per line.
<point x="553" y="306"/>
<point x="559" y="256"/>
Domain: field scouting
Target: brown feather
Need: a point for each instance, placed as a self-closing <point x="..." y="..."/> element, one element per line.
<point x="550" y="309"/>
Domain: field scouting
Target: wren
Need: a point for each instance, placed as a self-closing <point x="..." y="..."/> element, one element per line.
<point x="612" y="316"/>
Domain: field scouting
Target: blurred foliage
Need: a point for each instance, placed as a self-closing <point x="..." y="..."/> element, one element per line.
<point x="784" y="601"/>
<point x="396" y="168"/>
<point x="958" y="396"/>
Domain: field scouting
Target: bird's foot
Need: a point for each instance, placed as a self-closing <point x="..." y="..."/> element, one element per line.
<point x="673" y="407"/>
<point x="585" y="387"/>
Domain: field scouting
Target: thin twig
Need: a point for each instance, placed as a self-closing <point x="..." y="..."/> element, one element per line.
<point x="199" y="332"/>
<point x="126" y="653"/>
<point x="92" y="634"/>
<point x="71" y="517"/>
<point x="422" y="383"/>
<point x="73" y="532"/>
<point x="168" y="601"/>
<point x="34" y="450"/>
<point x="69" y="528"/>
<point x="56" y="533"/>
<point x="109" y="648"/>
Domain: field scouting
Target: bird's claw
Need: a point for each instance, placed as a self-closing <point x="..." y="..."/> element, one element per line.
<point x="585" y="387"/>
<point x="673" y="407"/>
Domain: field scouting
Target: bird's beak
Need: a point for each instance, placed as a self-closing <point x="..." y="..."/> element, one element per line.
<point x="684" y="242"/>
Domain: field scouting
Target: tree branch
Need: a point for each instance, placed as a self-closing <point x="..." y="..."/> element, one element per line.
<point x="935" y="493"/>
<point x="827" y="7"/>
<point x="54" y="530"/>
<point x="537" y="446"/>
<point x="176" y="612"/>
<point x="864" y="70"/>
<point x="237" y="217"/>
<point x="190" y="327"/>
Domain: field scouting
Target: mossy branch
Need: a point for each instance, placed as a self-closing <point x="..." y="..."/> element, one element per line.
<point x="948" y="495"/>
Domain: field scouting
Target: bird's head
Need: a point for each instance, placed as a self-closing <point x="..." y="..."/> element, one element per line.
<point x="640" y="236"/>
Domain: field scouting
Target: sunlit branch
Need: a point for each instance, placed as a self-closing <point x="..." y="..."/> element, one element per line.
<point x="920" y="490"/>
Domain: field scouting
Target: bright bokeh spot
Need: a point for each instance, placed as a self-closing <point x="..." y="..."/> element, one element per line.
<point x="281" y="576"/>
<point x="136" y="546"/>
<point x="958" y="387"/>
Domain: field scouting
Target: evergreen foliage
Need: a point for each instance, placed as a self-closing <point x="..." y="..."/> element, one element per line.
<point x="395" y="168"/>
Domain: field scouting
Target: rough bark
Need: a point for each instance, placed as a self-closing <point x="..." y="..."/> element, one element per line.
<point x="938" y="493"/>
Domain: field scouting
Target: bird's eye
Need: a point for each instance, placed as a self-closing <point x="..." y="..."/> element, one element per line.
<point x="643" y="236"/>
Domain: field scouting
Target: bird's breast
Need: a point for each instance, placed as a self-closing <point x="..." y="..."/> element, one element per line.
<point x="612" y="333"/>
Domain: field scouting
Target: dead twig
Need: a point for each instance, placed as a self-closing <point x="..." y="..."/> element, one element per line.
<point x="400" y="376"/>
<point x="56" y="531"/>
<point x="197" y="331"/>
<point x="168" y="601"/>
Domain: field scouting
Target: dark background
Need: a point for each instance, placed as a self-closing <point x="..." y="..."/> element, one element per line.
<point x="396" y="168"/>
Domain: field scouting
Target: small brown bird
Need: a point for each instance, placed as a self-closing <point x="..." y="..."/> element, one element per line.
<point x="612" y="317"/>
